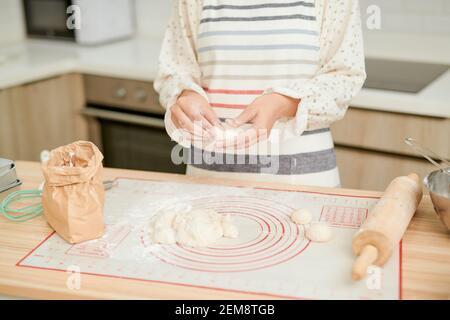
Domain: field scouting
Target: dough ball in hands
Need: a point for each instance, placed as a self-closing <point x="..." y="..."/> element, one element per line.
<point x="319" y="232"/>
<point x="301" y="216"/>
<point x="226" y="132"/>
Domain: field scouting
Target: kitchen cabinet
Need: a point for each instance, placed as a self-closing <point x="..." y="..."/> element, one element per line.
<point x="41" y="115"/>
<point x="370" y="150"/>
<point x="371" y="170"/>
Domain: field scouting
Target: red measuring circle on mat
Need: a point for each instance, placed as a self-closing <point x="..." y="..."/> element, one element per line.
<point x="267" y="237"/>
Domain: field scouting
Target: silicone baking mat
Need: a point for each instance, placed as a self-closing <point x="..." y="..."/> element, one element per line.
<point x="271" y="256"/>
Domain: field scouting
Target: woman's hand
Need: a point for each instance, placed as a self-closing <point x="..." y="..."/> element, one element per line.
<point x="193" y="114"/>
<point x="262" y="113"/>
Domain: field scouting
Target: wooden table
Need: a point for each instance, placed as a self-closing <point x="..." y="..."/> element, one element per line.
<point x="426" y="253"/>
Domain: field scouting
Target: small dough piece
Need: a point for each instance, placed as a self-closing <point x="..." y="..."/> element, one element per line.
<point x="229" y="229"/>
<point x="301" y="216"/>
<point x="228" y="131"/>
<point x="319" y="232"/>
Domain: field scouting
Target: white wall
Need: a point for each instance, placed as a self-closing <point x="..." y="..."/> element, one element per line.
<point x="416" y="16"/>
<point x="412" y="16"/>
<point x="152" y="16"/>
<point x="12" y="26"/>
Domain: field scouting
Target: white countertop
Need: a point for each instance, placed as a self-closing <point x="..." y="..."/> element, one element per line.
<point x="33" y="60"/>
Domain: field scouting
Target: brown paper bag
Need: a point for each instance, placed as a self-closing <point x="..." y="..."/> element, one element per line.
<point x="73" y="193"/>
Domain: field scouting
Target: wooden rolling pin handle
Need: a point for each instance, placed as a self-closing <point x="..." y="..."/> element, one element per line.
<point x="414" y="177"/>
<point x="386" y="224"/>
<point x="368" y="256"/>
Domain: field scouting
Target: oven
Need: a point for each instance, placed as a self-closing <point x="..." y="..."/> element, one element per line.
<point x="127" y="122"/>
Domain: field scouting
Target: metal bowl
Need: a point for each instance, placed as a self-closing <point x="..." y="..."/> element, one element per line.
<point x="438" y="184"/>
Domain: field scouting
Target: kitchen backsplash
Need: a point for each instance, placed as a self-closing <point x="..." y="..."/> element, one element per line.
<point x="416" y="16"/>
<point x="412" y="16"/>
<point x="152" y="16"/>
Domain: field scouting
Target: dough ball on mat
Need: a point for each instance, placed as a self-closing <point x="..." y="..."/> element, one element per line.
<point x="163" y="220"/>
<point x="198" y="228"/>
<point x="319" y="232"/>
<point x="160" y="228"/>
<point x="164" y="235"/>
<point x="229" y="229"/>
<point x="301" y="216"/>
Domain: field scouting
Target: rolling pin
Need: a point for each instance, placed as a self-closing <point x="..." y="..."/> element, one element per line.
<point x="382" y="231"/>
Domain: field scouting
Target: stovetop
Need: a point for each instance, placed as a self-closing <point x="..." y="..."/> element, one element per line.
<point x="401" y="76"/>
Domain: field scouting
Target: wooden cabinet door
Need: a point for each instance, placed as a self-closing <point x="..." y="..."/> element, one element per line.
<point x="386" y="131"/>
<point x="369" y="170"/>
<point x="8" y="141"/>
<point x="370" y="146"/>
<point x="41" y="115"/>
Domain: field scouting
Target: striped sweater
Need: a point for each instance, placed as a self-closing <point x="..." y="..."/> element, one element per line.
<point x="232" y="51"/>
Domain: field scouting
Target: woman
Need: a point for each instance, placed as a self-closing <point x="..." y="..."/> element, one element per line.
<point x="283" y="69"/>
